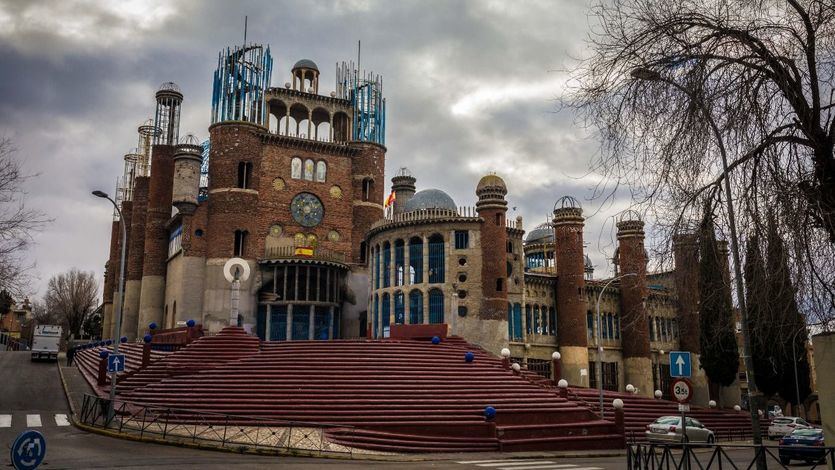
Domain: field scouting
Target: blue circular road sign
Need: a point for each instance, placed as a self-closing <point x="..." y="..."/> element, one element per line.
<point x="28" y="450"/>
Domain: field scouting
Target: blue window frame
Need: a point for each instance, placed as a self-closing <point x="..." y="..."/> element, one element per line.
<point x="261" y="322"/>
<point x="537" y="325"/>
<point x="321" y="322"/>
<point x="436" y="259"/>
<point x="399" y="308"/>
<point x="610" y="325"/>
<point x="377" y="267"/>
<point x="436" y="306"/>
<point x="517" y="321"/>
<point x="399" y="272"/>
<point x="278" y="323"/>
<point x="462" y="239"/>
<point x="510" y="321"/>
<point x="528" y="320"/>
<point x="552" y="313"/>
<point x="386" y="314"/>
<point x="386" y="264"/>
<point x="301" y="322"/>
<point x="617" y="326"/>
<point x="416" y="260"/>
<point x="376" y="315"/>
<point x="589" y="325"/>
<point x="415" y="307"/>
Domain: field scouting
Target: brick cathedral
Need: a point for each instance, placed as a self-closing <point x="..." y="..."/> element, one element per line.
<point x="290" y="186"/>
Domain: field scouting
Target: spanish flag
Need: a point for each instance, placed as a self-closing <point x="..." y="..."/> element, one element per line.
<point x="305" y="251"/>
<point x="389" y="200"/>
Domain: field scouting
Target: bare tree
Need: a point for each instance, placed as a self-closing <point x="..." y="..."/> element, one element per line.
<point x="72" y="296"/>
<point x="16" y="222"/>
<point x="667" y="80"/>
<point x="43" y="315"/>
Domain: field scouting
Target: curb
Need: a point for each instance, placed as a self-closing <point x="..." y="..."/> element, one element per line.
<point x="303" y="453"/>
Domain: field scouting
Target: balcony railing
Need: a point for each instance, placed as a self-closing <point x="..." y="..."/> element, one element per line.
<point x="304" y="253"/>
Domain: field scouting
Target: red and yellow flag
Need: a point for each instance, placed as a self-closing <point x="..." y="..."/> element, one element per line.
<point x="390" y="200"/>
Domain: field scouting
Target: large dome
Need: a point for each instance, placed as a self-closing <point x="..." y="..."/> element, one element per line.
<point x="306" y="64"/>
<point x="430" y="199"/>
<point x="543" y="233"/>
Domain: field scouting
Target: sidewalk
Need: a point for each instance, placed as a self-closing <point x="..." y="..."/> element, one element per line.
<point x="75" y="386"/>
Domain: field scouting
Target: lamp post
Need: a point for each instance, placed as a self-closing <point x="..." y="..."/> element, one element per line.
<point x="642" y="73"/>
<point x="118" y="311"/>
<point x="600" y="340"/>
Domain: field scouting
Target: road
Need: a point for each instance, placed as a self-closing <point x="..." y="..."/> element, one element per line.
<point x="32" y="397"/>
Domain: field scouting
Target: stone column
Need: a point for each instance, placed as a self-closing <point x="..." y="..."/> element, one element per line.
<point x="824" y="344"/>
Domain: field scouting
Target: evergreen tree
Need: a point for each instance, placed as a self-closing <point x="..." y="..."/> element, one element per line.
<point x="761" y="325"/>
<point x="6" y="302"/>
<point x="719" y="351"/>
<point x="787" y="320"/>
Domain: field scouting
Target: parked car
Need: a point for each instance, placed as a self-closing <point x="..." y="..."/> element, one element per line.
<point x="667" y="429"/>
<point x="783" y="426"/>
<point x="802" y="444"/>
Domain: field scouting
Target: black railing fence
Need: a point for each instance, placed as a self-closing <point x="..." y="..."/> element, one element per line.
<point x="212" y="429"/>
<point x="718" y="456"/>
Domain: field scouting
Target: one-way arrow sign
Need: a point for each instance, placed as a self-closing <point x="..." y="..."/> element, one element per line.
<point x="116" y="363"/>
<point x="680" y="364"/>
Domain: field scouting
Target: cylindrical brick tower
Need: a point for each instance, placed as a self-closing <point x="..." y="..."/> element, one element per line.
<point x="571" y="299"/>
<point x="127" y="216"/>
<point x="167" y="120"/>
<point x="403" y="185"/>
<point x="632" y="259"/>
<point x="492" y="208"/>
<point x="686" y="275"/>
<point x="110" y="275"/>
<point x="368" y="168"/>
<point x="187" y="159"/>
<point x="135" y="258"/>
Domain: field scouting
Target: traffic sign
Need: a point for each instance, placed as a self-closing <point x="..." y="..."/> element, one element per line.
<point x="116" y="363"/>
<point x="680" y="364"/>
<point x="682" y="391"/>
<point x="28" y="450"/>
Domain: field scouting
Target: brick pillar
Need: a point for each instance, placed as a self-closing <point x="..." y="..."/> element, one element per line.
<point x="127" y="216"/>
<point x="632" y="259"/>
<point x="368" y="163"/>
<point x="135" y="259"/>
<point x="571" y="300"/>
<point x="492" y="208"/>
<point x="152" y="295"/>
<point x="110" y="275"/>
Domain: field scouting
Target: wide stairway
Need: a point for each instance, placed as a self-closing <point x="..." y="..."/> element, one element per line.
<point x="387" y="395"/>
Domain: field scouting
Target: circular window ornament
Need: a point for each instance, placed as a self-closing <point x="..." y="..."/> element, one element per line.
<point x="276" y="230"/>
<point x="333" y="236"/>
<point x="462" y="261"/>
<point x="307" y="209"/>
<point x="336" y="192"/>
<point x="278" y="184"/>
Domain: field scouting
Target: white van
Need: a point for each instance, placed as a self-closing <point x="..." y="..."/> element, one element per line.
<point x="46" y="341"/>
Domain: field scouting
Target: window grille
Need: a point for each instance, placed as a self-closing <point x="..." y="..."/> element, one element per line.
<point x="175" y="241"/>
<point x="528" y="320"/>
<point x="462" y="239"/>
<point x="436" y="306"/>
<point x="416" y="260"/>
<point x="540" y="366"/>
<point x="386" y="314"/>
<point x="415" y="307"/>
<point x="398" y="262"/>
<point x="436" y="259"/>
<point x="301" y="323"/>
<point x="517" y="322"/>
<point x="399" y="308"/>
<point x="376" y="315"/>
<point x="552" y="313"/>
<point x="386" y="264"/>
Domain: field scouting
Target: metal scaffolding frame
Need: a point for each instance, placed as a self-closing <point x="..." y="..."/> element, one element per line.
<point x="240" y="82"/>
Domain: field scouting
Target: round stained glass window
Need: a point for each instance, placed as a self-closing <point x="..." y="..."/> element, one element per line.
<point x="336" y="192"/>
<point x="307" y="209"/>
<point x="276" y="230"/>
<point x="333" y="236"/>
<point x="278" y="184"/>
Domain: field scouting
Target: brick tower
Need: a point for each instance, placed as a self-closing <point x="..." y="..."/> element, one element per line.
<point x="110" y="278"/>
<point x="167" y="120"/>
<point x="136" y="258"/>
<point x="492" y="208"/>
<point x="632" y="260"/>
<point x="686" y="275"/>
<point x="403" y="185"/>
<point x="571" y="301"/>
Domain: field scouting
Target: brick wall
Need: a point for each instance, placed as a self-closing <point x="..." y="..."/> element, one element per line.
<point x="369" y="162"/>
<point x="112" y="262"/>
<point x="493" y="262"/>
<point x="136" y="242"/>
<point x="632" y="258"/>
<point x="568" y="251"/>
<point x="158" y="211"/>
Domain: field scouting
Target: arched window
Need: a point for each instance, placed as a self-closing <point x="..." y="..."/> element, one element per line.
<point x="537" y="326"/>
<point x="239" y="247"/>
<point x="385" y="316"/>
<point x="398" y="262"/>
<point x="553" y="321"/>
<point x="617" y="326"/>
<point x="528" y="320"/>
<point x="399" y="308"/>
<point x="321" y="171"/>
<point x="509" y="321"/>
<point x="415" y="307"/>
<point x="376" y="315"/>
<point x="363" y="254"/>
<point x="436" y="306"/>
<point x="386" y="264"/>
<point x="309" y="166"/>
<point x="610" y="325"/>
<point x="296" y="168"/>
<point x="367" y="186"/>
<point x="312" y="241"/>
<point x="416" y="260"/>
<point x="436" y="259"/>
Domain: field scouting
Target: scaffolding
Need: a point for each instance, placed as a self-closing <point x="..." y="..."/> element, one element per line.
<point x="203" y="190"/>
<point x="147" y="133"/>
<point x="240" y="82"/>
<point x="365" y="92"/>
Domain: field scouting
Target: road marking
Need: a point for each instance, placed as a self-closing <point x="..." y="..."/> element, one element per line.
<point x="5" y="421"/>
<point x="61" y="420"/>
<point x="539" y="467"/>
<point x="476" y="462"/>
<point x="33" y="421"/>
<point x="516" y="463"/>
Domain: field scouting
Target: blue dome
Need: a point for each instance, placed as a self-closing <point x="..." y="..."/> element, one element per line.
<point x="430" y="199"/>
<point x="543" y="233"/>
<point x="306" y="64"/>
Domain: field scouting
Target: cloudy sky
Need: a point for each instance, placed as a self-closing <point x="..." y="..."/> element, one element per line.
<point x="471" y="87"/>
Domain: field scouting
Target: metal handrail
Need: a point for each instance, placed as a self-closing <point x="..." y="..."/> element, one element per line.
<point x="682" y="456"/>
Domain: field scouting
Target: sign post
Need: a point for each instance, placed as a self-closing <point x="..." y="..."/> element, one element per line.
<point x="682" y="392"/>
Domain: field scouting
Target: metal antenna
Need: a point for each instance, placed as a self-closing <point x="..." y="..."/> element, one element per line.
<point x="359" y="50"/>
<point x="245" y="25"/>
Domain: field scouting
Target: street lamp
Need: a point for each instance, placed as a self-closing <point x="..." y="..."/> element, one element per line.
<point x="118" y="312"/>
<point x="600" y="341"/>
<point x="643" y="73"/>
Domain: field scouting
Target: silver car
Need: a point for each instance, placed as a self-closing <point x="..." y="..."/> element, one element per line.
<point x="667" y="430"/>
<point x="784" y="426"/>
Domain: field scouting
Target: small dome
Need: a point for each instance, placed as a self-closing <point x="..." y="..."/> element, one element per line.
<point x="543" y="233"/>
<point x="306" y="64"/>
<point x="430" y="199"/>
<point x="170" y="86"/>
<point x="491" y="180"/>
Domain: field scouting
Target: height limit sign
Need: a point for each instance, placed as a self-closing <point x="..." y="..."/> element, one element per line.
<point x="682" y="390"/>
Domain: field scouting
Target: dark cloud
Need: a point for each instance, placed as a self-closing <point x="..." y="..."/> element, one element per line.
<point x="470" y="88"/>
